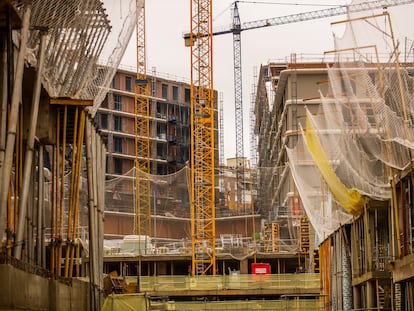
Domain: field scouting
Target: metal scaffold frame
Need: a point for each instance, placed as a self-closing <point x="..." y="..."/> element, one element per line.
<point x="202" y="140"/>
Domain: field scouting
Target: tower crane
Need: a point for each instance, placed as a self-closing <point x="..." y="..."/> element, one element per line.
<point x="202" y="110"/>
<point x="236" y="30"/>
<point x="142" y="225"/>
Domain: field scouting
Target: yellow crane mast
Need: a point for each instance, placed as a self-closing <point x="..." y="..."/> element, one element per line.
<point x="142" y="131"/>
<point x="203" y="230"/>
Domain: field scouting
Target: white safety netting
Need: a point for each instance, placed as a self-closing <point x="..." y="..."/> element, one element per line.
<point x="320" y="206"/>
<point x="86" y="40"/>
<point x="363" y="131"/>
<point x="355" y="165"/>
<point x="169" y="194"/>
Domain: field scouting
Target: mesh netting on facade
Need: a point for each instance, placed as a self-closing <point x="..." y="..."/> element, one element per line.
<point x="86" y="40"/>
<point x="169" y="193"/>
<point x="363" y="130"/>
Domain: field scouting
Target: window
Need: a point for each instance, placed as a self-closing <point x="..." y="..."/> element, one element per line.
<point x="187" y="95"/>
<point x="117" y="166"/>
<point x="162" y="151"/>
<point x="104" y="121"/>
<point x="164" y="91"/>
<point x="184" y="115"/>
<point x="175" y="92"/>
<point x="118" y="123"/>
<point x="113" y="84"/>
<point x="161" y="130"/>
<point x="161" y="110"/>
<point x="185" y="153"/>
<point x="128" y="84"/>
<point x="118" y="144"/>
<point x="117" y="102"/>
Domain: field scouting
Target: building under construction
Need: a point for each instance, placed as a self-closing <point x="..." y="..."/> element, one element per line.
<point x="338" y="134"/>
<point x="244" y="236"/>
<point x="321" y="221"/>
<point x="55" y="72"/>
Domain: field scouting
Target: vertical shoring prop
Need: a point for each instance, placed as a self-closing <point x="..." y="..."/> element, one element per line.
<point x="95" y="235"/>
<point x="53" y="207"/>
<point x="92" y="218"/>
<point x="56" y="195"/>
<point x="18" y="169"/>
<point x="40" y="207"/>
<point x="27" y="169"/>
<point x="61" y="202"/>
<point x="101" y="207"/>
<point x="5" y="91"/>
<point x="78" y="138"/>
<point x="77" y="187"/>
<point x="13" y="119"/>
<point x="73" y="174"/>
<point x="72" y="190"/>
<point x="202" y="140"/>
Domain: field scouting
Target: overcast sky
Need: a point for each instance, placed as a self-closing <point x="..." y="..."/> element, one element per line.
<point x="167" y="20"/>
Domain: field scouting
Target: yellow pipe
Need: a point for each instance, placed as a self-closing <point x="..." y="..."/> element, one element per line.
<point x="77" y="256"/>
<point x="76" y="185"/>
<point x="378" y="296"/>
<point x="350" y="199"/>
<point x="69" y="238"/>
<point x="396" y="216"/>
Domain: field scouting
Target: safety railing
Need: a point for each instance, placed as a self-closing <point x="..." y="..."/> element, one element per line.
<point x="140" y="302"/>
<point x="237" y="246"/>
<point x="219" y="282"/>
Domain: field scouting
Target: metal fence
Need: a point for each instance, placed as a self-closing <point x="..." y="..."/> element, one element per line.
<point x="220" y="282"/>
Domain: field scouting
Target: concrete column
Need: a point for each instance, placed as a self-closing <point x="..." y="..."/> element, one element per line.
<point x="29" y="153"/>
<point x="7" y="165"/>
<point x="244" y="266"/>
<point x="371" y="302"/>
<point x="90" y="155"/>
<point x="162" y="268"/>
<point x="40" y="231"/>
<point x="357" y="297"/>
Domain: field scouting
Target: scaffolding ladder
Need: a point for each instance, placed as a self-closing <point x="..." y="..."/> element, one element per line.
<point x="271" y="237"/>
<point x="304" y="235"/>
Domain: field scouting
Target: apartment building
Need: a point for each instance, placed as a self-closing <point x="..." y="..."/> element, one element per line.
<point x="283" y="91"/>
<point x="169" y="124"/>
<point x="169" y="149"/>
<point x="365" y="258"/>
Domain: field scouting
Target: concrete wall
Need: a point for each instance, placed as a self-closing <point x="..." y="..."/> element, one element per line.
<point x="26" y="291"/>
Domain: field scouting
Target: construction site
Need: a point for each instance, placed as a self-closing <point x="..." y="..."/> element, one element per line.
<point x="115" y="193"/>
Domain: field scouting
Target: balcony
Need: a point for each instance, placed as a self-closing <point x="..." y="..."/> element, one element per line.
<point x="172" y="119"/>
